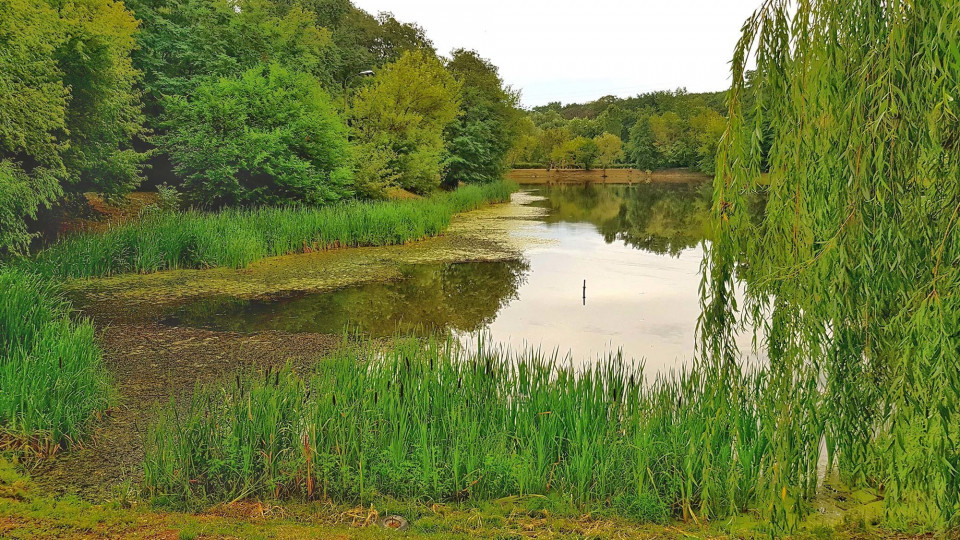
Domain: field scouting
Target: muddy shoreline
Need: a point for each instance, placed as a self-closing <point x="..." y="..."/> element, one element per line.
<point x="152" y="364"/>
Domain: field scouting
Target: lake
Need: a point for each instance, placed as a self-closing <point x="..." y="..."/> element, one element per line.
<point x="611" y="268"/>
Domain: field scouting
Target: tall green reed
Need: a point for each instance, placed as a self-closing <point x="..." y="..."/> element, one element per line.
<point x="52" y="378"/>
<point x="235" y="238"/>
<point x="430" y="422"/>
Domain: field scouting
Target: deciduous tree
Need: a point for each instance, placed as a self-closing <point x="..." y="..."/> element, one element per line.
<point x="401" y="117"/>
<point x="269" y="136"/>
<point x="478" y="141"/>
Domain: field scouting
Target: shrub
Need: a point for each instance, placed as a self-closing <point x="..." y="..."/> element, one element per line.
<point x="267" y="137"/>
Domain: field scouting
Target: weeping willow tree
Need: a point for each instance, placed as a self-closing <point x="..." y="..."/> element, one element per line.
<point x="853" y="272"/>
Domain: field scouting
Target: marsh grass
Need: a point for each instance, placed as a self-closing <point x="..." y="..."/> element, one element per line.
<point x="52" y="378"/>
<point x="429" y="422"/>
<point x="235" y="238"/>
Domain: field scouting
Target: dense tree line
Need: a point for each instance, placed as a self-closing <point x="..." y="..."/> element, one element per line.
<point x="651" y="131"/>
<point x="235" y="102"/>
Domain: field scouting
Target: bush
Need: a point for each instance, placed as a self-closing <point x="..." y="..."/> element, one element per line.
<point x="268" y="137"/>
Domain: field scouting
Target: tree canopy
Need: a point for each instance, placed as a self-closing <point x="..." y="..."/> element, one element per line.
<point x="68" y="107"/>
<point x="658" y="130"/>
<point x="105" y="96"/>
<point x="485" y="131"/>
<point x="268" y="136"/>
<point x="853" y="271"/>
<point x="399" y="120"/>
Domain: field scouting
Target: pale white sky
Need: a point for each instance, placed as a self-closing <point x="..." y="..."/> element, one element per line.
<point x="580" y="50"/>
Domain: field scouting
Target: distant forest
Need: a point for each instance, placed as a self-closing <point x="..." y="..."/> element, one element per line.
<point x="656" y="130"/>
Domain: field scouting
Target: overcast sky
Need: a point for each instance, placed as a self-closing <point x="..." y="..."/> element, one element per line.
<point x="580" y="50"/>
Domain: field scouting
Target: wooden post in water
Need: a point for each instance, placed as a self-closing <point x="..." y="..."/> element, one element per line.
<point x="584" y="292"/>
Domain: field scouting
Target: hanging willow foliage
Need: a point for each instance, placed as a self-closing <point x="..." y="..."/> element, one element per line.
<point x="853" y="272"/>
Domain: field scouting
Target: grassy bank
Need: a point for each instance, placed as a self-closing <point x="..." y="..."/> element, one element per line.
<point x="52" y="378"/>
<point x="236" y="238"/>
<point x="429" y="423"/>
<point x="30" y="512"/>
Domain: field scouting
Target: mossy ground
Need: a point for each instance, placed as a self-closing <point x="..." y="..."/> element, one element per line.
<point x="28" y="511"/>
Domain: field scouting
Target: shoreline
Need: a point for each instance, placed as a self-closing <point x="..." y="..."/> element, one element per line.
<point x="613" y="176"/>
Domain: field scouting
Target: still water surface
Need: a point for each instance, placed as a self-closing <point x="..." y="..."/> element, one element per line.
<point x="638" y="249"/>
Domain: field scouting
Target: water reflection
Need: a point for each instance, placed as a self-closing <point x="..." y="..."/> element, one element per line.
<point x="637" y="247"/>
<point x="428" y="298"/>
<point x="665" y="219"/>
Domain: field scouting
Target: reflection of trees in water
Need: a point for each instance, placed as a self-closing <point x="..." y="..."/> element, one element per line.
<point x="661" y="218"/>
<point x="463" y="297"/>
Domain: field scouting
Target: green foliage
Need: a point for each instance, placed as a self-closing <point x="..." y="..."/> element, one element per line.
<point x="68" y="110"/>
<point x="478" y="141"/>
<point x="400" y="118"/>
<point x="21" y="195"/>
<point x="51" y="371"/>
<point x="186" y="43"/>
<point x="267" y="137"/>
<point x="429" y="422"/>
<point x="579" y="152"/>
<point x="641" y="148"/>
<point x="103" y="116"/>
<point x="708" y="127"/>
<point x="33" y="96"/>
<point x="658" y="130"/>
<point x="235" y="238"/>
<point x="609" y="149"/>
<point x="854" y="270"/>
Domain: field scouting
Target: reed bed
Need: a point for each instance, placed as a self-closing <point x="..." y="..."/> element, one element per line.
<point x="52" y="378"/>
<point x="430" y="422"/>
<point x="234" y="238"/>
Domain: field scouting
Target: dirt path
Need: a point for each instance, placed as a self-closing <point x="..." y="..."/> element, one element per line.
<point x="150" y="364"/>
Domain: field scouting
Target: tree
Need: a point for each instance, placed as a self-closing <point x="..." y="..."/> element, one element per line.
<point x="186" y="43"/>
<point x="551" y="145"/>
<point x="526" y="148"/>
<point x="479" y="140"/>
<point x="400" y="118"/>
<point x="708" y="126"/>
<point x="580" y="152"/>
<point x="672" y="139"/>
<point x="854" y="268"/>
<point x="104" y="112"/>
<point x="68" y="110"/>
<point x="267" y="137"/>
<point x="609" y="150"/>
<point x="641" y="149"/>
<point x="616" y="120"/>
<point x="33" y="105"/>
<point x="584" y="127"/>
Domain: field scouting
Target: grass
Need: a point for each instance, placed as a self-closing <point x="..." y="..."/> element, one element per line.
<point x="52" y="378"/>
<point x="237" y="237"/>
<point x="431" y="423"/>
<point x="29" y="512"/>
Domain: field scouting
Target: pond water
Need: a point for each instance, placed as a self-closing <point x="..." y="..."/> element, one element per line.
<point x="638" y="250"/>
